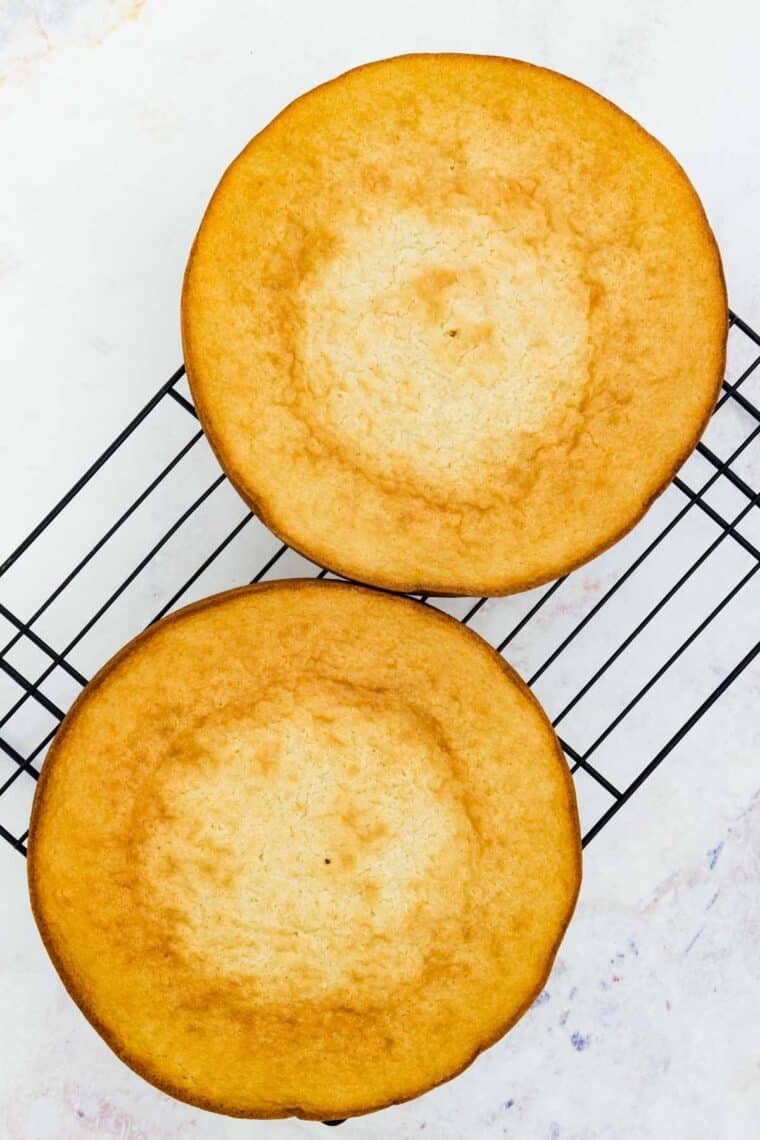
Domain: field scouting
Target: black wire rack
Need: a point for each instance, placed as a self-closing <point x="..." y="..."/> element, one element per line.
<point x="626" y="654"/>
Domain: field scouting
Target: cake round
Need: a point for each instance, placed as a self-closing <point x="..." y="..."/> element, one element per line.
<point x="452" y="322"/>
<point x="304" y="849"/>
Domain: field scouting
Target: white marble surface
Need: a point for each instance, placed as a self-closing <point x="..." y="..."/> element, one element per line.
<point x="115" y="120"/>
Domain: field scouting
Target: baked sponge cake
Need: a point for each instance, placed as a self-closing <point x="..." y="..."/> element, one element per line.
<point x="452" y="322"/>
<point x="304" y="849"/>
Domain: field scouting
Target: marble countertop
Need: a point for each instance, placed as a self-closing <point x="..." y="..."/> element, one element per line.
<point x="116" y="119"/>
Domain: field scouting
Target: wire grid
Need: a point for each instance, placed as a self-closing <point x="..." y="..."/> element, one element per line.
<point x="626" y="654"/>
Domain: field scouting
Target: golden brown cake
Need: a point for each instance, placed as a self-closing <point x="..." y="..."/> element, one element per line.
<point x="304" y="849"/>
<point x="452" y="322"/>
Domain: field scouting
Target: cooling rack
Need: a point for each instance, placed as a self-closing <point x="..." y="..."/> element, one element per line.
<point x="626" y="654"/>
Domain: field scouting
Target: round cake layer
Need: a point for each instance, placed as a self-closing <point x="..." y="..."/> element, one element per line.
<point x="451" y="322"/>
<point x="304" y="849"/>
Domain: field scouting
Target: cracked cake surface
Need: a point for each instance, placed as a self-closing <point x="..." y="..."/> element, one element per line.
<point x="452" y="322"/>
